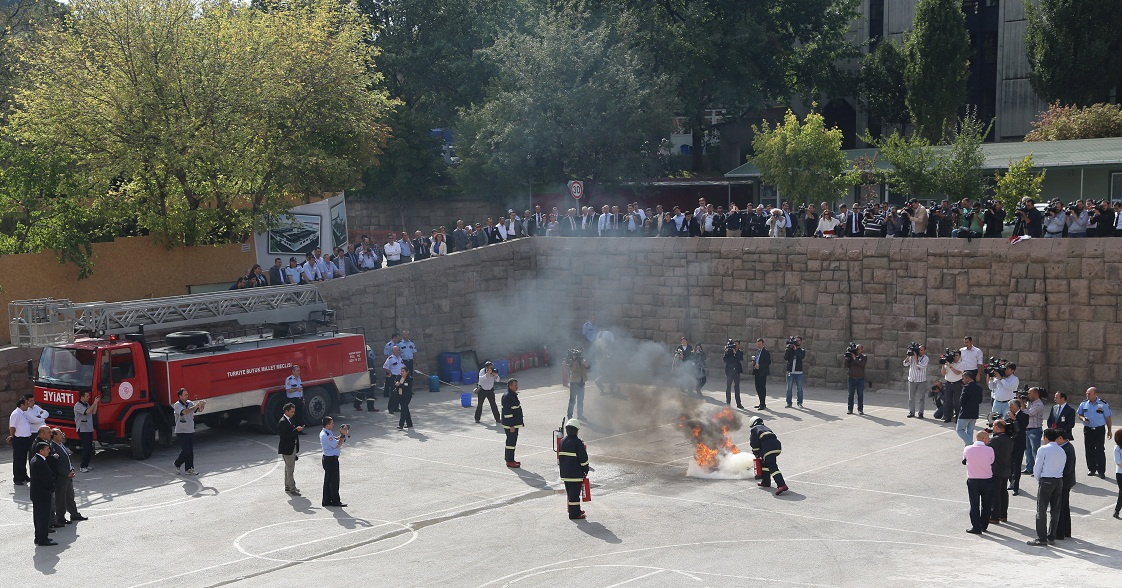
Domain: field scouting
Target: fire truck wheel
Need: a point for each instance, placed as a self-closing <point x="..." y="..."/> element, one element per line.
<point x="318" y="404"/>
<point x="142" y="436"/>
<point x="273" y="413"/>
<point x="185" y="339"/>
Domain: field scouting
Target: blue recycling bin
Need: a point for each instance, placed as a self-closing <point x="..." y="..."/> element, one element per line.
<point x="470" y="377"/>
<point x="465" y="400"/>
<point x="434" y="383"/>
<point x="449" y="363"/>
<point x="454" y="378"/>
<point x="502" y="366"/>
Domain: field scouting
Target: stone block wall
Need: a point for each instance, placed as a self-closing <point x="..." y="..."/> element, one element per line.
<point x="1049" y="305"/>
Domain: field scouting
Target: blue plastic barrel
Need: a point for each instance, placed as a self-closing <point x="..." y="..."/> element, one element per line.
<point x="503" y="367"/>
<point x="470" y="377"/>
<point x="453" y="378"/>
<point x="434" y="383"/>
<point x="465" y="400"/>
<point x="449" y="363"/>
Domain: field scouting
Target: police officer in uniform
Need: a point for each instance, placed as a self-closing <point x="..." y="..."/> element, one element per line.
<point x="573" y="461"/>
<point x="294" y="391"/>
<point x="408" y="349"/>
<point x="1095" y="414"/>
<point x="393" y="367"/>
<point x="511" y="421"/>
<point x="765" y="445"/>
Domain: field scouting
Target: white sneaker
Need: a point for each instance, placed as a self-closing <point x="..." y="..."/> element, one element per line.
<point x="192" y="472"/>
<point x="84" y="470"/>
<point x="176" y="470"/>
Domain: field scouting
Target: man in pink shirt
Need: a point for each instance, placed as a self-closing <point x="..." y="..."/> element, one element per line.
<point x="979" y="481"/>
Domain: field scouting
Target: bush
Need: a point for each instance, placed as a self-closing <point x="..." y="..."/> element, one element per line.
<point x="1059" y="123"/>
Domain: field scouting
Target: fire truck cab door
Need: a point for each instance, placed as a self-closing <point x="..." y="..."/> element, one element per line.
<point x="117" y="380"/>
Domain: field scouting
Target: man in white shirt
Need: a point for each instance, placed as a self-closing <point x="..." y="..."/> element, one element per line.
<point x="1003" y="386"/>
<point x="392" y="250"/>
<point x="972" y="357"/>
<point x="323" y="265"/>
<point x="36" y="415"/>
<point x="311" y="274"/>
<point x="917" y="379"/>
<point x="700" y="210"/>
<point x="19" y="436"/>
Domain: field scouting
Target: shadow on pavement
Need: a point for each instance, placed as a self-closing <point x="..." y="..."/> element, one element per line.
<point x="598" y="531"/>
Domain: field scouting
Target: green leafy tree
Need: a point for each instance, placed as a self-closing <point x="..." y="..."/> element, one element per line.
<point x="958" y="169"/>
<point x="566" y="103"/>
<point x="1021" y="181"/>
<point x="18" y="21"/>
<point x="1075" y="49"/>
<point x="205" y="119"/>
<point x="1060" y="123"/>
<point x="936" y="52"/>
<point x="882" y="84"/>
<point x="912" y="158"/>
<point x="804" y="161"/>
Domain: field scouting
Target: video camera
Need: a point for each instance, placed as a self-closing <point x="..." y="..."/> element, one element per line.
<point x="573" y="355"/>
<point x="851" y="350"/>
<point x="792" y="341"/>
<point x="947" y="357"/>
<point x="996" y="366"/>
<point x="913" y="348"/>
<point x="730" y="345"/>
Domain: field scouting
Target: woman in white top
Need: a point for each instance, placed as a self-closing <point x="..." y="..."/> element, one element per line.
<point x="439" y="247"/>
<point x="827" y="225"/>
<point x="552" y="227"/>
<point x="952" y="388"/>
<point x="776" y="223"/>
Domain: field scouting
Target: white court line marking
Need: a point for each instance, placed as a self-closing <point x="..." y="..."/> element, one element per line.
<point x="902" y="494"/>
<point x="647" y="575"/>
<point x="399" y="521"/>
<point x="1105" y="508"/>
<point x="262" y="555"/>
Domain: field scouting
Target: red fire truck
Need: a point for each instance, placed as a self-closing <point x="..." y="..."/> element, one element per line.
<point x="241" y="378"/>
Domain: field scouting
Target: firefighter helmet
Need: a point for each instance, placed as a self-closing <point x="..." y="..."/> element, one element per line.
<point x="755" y="421"/>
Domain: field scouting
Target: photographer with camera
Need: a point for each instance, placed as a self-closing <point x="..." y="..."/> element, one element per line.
<point x="1078" y="220"/>
<point x="1029" y="220"/>
<point x="185" y="411"/>
<point x="734" y="366"/>
<point x="332" y="447"/>
<point x="1003" y="383"/>
<point x="485" y="390"/>
<point x="577" y="366"/>
<point x="1055" y="219"/>
<point x="952" y="369"/>
<point x="916" y="362"/>
<point x="994" y="218"/>
<point x="1034" y="407"/>
<point x="1103" y="219"/>
<point x="793" y="357"/>
<point x="855" y="362"/>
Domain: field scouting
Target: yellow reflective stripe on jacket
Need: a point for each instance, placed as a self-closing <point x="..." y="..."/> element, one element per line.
<point x="568" y="453"/>
<point x="508" y="416"/>
<point x="773" y="451"/>
<point x="584" y="463"/>
<point x="572" y="479"/>
<point x="516" y="406"/>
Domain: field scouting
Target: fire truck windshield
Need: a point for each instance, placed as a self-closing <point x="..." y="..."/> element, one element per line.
<point x="67" y="367"/>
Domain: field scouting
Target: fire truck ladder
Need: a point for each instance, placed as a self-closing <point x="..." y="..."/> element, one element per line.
<point x="49" y="321"/>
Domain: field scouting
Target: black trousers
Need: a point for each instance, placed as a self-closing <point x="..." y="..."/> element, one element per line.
<point x="1048" y="497"/>
<point x="1063" y="527"/>
<point x="732" y="382"/>
<point x="771" y="470"/>
<point x="330" y="480"/>
<point x="41" y="514"/>
<point x="761" y="387"/>
<point x="981" y="502"/>
<point x="405" y="420"/>
<point x="391" y="393"/>
<point x="488" y="395"/>
<point x="572" y="491"/>
<point x="1000" y="510"/>
<point x="21" y="447"/>
<point x="1094" y="439"/>
<point x="87" y="447"/>
<point x="1118" y="505"/>
<point x="1018" y="465"/>
<point x="409" y="364"/>
<point x="298" y="418"/>
<point x="511" y="442"/>
<point x="186" y="450"/>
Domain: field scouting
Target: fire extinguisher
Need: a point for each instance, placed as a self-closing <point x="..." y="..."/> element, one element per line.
<point x="586" y="492"/>
<point x="534" y="361"/>
<point x="545" y="355"/>
<point x="558" y="435"/>
<point x="759" y="463"/>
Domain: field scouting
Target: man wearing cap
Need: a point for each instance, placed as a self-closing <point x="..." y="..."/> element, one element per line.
<point x="392" y="367"/>
<point x="572" y="458"/>
<point x="766" y="446"/>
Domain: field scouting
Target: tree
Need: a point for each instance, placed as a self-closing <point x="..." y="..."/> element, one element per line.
<point x="565" y="103"/>
<point x="1019" y="182"/>
<point x="913" y="163"/>
<point x="1060" y="123"/>
<point x="882" y="84"/>
<point x="804" y="161"/>
<point x="1075" y="49"/>
<point x="206" y="119"/>
<point x="936" y="52"/>
<point x="958" y="169"/>
<point x="18" y="20"/>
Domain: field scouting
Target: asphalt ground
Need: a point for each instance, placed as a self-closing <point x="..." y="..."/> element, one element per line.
<point x="875" y="500"/>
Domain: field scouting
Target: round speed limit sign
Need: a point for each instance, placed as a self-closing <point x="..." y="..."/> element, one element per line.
<point x="576" y="188"/>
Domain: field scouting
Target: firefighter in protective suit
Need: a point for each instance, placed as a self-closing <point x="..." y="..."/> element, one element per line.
<point x="512" y="421"/>
<point x="765" y="445"/>
<point x="573" y="460"/>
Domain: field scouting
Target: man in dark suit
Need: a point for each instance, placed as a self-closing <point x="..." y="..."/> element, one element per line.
<point x="42" y="486"/>
<point x="854" y="222"/>
<point x="761" y="367"/>
<point x="289" y="447"/>
<point x="1063" y="526"/>
<point x="422" y="246"/>
<point x="276" y="273"/>
<point x="569" y="225"/>
<point x="537" y="222"/>
<point x="1062" y="416"/>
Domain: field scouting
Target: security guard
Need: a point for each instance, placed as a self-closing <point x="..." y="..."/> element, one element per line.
<point x="512" y="421"/>
<point x="1095" y="414"/>
<point x="573" y="460"/>
<point x="408" y="349"/>
<point x="393" y="367"/>
<point x="765" y="445"/>
<point x="294" y="391"/>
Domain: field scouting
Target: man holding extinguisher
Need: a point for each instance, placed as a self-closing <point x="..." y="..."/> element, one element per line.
<point x="573" y="461"/>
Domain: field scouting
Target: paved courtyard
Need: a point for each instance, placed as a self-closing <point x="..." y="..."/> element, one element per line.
<point x="877" y="500"/>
